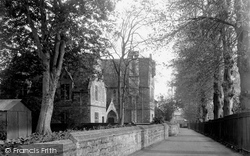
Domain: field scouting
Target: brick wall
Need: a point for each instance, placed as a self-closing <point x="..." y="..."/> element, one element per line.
<point x="113" y="142"/>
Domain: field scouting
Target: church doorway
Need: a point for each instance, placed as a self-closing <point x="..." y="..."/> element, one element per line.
<point x="112" y="118"/>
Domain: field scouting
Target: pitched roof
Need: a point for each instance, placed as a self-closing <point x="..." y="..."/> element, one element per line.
<point x="7" y="104"/>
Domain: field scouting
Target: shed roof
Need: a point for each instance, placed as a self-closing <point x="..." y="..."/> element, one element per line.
<point x="7" y="104"/>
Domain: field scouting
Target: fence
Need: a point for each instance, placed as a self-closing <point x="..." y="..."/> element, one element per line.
<point x="233" y="130"/>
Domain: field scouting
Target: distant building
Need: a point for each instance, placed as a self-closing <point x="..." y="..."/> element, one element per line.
<point x="139" y="88"/>
<point x="178" y="118"/>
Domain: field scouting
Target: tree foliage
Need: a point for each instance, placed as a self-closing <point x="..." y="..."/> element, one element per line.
<point x="166" y="108"/>
<point x="208" y="44"/>
<point x="21" y="77"/>
<point x="195" y="65"/>
<point x="49" y="29"/>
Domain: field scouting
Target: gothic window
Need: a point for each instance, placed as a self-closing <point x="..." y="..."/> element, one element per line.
<point x="65" y="94"/>
<point x="96" y="93"/>
<point x="101" y="94"/>
<point x="96" y="117"/>
<point x="114" y="96"/>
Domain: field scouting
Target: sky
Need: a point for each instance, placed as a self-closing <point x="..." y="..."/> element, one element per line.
<point x="163" y="71"/>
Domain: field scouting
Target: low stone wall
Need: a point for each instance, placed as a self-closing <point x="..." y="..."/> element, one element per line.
<point x="113" y="142"/>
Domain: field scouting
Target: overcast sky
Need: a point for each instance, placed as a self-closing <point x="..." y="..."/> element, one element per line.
<point x="163" y="74"/>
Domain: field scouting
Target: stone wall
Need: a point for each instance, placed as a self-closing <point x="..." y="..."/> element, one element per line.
<point x="113" y="142"/>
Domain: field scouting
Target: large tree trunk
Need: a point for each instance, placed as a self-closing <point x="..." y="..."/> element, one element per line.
<point x="242" y="30"/>
<point x="53" y="65"/>
<point x="228" y="88"/>
<point x="120" y="98"/>
<point x="203" y="107"/>
<point x="228" y="75"/>
<point x="49" y="88"/>
<point x="218" y="94"/>
<point x="52" y="61"/>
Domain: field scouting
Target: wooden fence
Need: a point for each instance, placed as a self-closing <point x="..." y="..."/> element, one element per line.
<point x="233" y="130"/>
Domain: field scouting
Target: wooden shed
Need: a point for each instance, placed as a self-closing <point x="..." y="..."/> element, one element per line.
<point x="15" y="118"/>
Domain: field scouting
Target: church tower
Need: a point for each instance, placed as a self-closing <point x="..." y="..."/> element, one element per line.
<point x="133" y="84"/>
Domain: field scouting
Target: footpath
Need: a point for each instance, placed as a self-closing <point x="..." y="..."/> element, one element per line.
<point x="187" y="143"/>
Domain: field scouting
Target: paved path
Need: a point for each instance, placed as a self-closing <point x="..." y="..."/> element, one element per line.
<point x="187" y="143"/>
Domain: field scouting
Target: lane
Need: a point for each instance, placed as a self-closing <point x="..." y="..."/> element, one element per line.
<point x="187" y="143"/>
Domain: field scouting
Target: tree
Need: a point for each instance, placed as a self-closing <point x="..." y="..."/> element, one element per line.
<point x="50" y="28"/>
<point x="195" y="67"/>
<point x="21" y="76"/>
<point x="166" y="108"/>
<point x="195" y="50"/>
<point x="222" y="29"/>
<point x="125" y="38"/>
<point x="241" y="26"/>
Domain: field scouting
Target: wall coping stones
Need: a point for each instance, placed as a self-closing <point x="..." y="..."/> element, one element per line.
<point x="82" y="136"/>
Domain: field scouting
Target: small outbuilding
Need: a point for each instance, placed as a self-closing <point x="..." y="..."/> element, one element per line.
<point x="15" y="119"/>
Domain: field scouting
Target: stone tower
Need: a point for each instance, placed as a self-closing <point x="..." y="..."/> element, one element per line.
<point x="133" y="85"/>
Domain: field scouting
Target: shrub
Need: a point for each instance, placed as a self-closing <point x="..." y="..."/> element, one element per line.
<point x="158" y="120"/>
<point x="34" y="138"/>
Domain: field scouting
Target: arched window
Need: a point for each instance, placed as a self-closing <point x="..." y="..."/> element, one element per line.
<point x="96" y="92"/>
<point x="65" y="92"/>
<point x="96" y="117"/>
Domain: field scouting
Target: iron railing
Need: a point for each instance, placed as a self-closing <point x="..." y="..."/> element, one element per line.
<point x="233" y="130"/>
